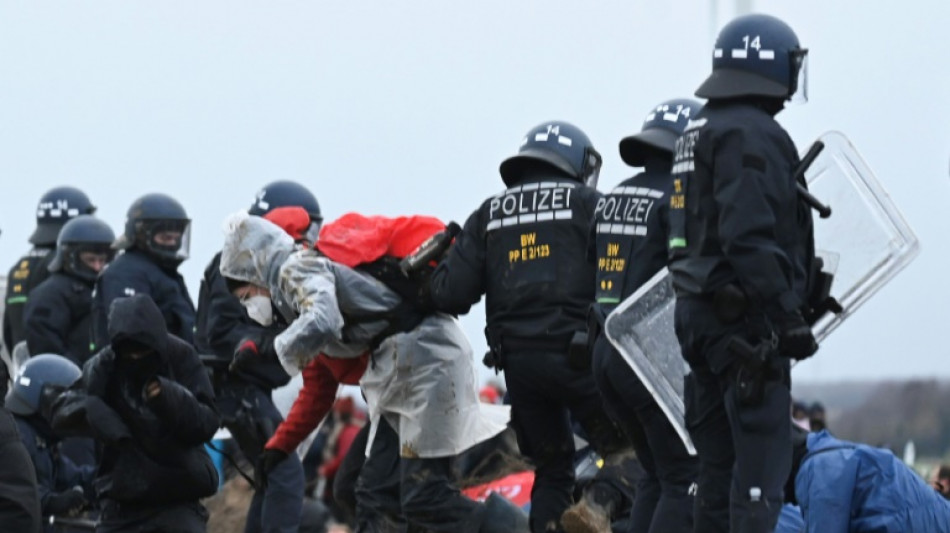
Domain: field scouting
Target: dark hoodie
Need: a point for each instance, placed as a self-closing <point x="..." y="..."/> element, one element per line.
<point x="152" y="446"/>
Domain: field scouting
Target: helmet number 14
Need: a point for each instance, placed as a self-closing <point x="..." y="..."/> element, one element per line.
<point x="754" y="44"/>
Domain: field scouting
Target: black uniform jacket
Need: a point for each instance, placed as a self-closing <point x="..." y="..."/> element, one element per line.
<point x="630" y="232"/>
<point x="58" y="318"/>
<point x="735" y="216"/>
<point x="28" y="272"/>
<point x="526" y="250"/>
<point x="132" y="273"/>
<point x="55" y="473"/>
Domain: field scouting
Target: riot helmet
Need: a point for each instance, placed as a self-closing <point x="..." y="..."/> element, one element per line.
<point x="557" y="144"/>
<point x="55" y="208"/>
<point x="83" y="243"/>
<point x="285" y="193"/>
<point x="157" y="225"/>
<point x="662" y="126"/>
<point x="757" y="55"/>
<point x="38" y="372"/>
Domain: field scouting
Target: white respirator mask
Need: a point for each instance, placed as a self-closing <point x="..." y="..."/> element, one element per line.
<point x="259" y="309"/>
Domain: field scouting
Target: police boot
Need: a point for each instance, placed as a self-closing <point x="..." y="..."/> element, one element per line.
<point x="502" y="516"/>
<point x="591" y="514"/>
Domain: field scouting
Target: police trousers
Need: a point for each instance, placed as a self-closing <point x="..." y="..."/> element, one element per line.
<point x="250" y="415"/>
<point x="663" y="502"/>
<point x="546" y="392"/>
<point x="745" y="448"/>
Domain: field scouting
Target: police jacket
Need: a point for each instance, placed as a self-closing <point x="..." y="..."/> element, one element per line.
<point x="222" y="325"/>
<point x="58" y="318"/>
<point x="28" y="272"/>
<point x="735" y="216"/>
<point x="55" y="473"/>
<point x="133" y="272"/>
<point x="630" y="234"/>
<point x="152" y="447"/>
<point x="526" y="249"/>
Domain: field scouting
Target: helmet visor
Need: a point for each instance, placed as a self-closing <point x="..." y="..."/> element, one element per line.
<point x="170" y="238"/>
<point x="798" y="62"/>
<point x="592" y="166"/>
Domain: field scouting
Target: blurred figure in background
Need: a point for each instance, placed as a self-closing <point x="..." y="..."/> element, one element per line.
<point x="816" y="417"/>
<point x="940" y="480"/>
<point x="800" y="415"/>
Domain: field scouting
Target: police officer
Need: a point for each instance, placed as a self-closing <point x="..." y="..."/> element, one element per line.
<point x="156" y="241"/>
<point x="248" y="370"/>
<point x="740" y="247"/>
<point x="58" y="315"/>
<point x="64" y="488"/>
<point x="631" y="232"/>
<point x="524" y="248"/>
<point x="55" y="208"/>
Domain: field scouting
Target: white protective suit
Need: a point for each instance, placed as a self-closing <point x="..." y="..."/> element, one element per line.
<point x="422" y="381"/>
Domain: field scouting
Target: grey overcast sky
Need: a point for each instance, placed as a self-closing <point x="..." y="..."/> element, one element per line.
<point x="408" y="107"/>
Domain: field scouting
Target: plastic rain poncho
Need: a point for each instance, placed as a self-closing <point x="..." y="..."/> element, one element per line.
<point x="421" y="381"/>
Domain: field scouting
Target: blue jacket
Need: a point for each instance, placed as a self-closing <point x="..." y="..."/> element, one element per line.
<point x="790" y="521"/>
<point x="844" y="487"/>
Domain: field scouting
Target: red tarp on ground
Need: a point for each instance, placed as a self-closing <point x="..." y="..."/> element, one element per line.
<point x="516" y="487"/>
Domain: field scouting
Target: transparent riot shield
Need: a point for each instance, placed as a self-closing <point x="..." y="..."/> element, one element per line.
<point x="866" y="239"/>
<point x="19" y="357"/>
<point x="864" y="243"/>
<point x="641" y="328"/>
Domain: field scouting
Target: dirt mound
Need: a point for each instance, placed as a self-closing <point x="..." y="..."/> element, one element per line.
<point x="228" y="508"/>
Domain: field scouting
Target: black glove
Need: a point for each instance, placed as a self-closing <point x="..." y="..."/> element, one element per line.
<point x="246" y="355"/>
<point x="69" y="502"/>
<point x="266" y="462"/>
<point x="795" y="339"/>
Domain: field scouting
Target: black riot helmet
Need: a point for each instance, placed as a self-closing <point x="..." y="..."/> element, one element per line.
<point x="285" y="194"/>
<point x="157" y="225"/>
<point x="557" y="144"/>
<point x="55" y="208"/>
<point x="663" y="125"/>
<point x="757" y="55"/>
<point x="84" y="233"/>
<point x="38" y="372"/>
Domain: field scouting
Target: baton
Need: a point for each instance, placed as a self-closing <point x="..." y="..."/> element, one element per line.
<point x="431" y="250"/>
<point x="824" y="211"/>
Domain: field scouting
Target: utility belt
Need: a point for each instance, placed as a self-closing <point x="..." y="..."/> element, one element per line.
<point x="756" y="347"/>
<point x="575" y="346"/>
